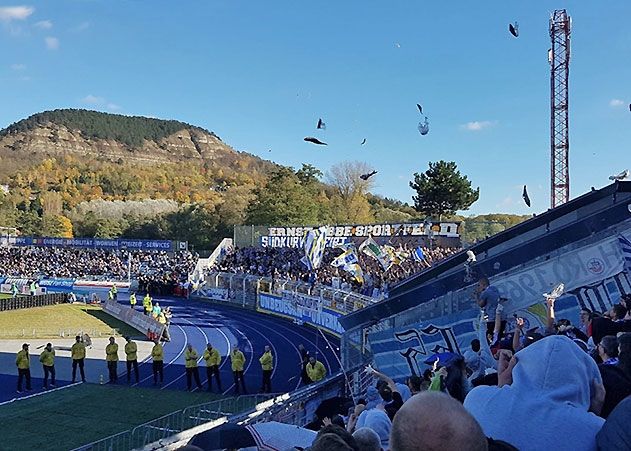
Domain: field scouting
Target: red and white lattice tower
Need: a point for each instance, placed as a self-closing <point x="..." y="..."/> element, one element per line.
<point x="559" y="58"/>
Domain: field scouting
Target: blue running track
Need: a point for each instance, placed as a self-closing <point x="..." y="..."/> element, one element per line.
<point x="197" y="323"/>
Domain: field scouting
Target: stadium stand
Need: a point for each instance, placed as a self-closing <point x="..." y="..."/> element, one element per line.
<point x="455" y="335"/>
<point x="285" y="264"/>
<point x="158" y="271"/>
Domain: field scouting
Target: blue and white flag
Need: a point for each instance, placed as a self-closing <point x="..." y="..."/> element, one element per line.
<point x="625" y="246"/>
<point x="314" y="245"/>
<point x="418" y="254"/>
<point x="346" y="258"/>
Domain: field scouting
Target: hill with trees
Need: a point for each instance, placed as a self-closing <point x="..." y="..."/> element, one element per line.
<point x="90" y="174"/>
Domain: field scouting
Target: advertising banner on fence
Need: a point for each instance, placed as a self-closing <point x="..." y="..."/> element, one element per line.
<point x="57" y="285"/>
<point x="218" y="294"/>
<point x="100" y="243"/>
<point x="593" y="276"/>
<point x="134" y="318"/>
<point x="326" y="319"/>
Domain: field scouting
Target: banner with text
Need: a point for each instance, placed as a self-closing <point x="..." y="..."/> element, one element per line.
<point x="593" y="278"/>
<point x="325" y="318"/>
<point x="449" y="232"/>
<point x="99" y="243"/>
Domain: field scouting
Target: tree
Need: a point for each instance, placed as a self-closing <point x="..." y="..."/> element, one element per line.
<point x="442" y="190"/>
<point x="283" y="201"/>
<point x="308" y="174"/>
<point x="349" y="201"/>
<point x="56" y="226"/>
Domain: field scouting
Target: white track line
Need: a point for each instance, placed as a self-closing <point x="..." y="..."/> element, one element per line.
<point x="41" y="393"/>
<point x="172" y="360"/>
<point x="273" y="347"/>
<point x="249" y="363"/>
<point x="198" y="360"/>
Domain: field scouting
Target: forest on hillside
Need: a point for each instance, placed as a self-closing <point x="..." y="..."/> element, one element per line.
<point x="199" y="203"/>
<point x="129" y="130"/>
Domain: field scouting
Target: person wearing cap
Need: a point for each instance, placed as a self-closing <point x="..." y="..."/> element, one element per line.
<point x="212" y="358"/>
<point x="77" y="352"/>
<point x="190" y="358"/>
<point x="157" y="356"/>
<point x="47" y="358"/>
<point x="111" y="356"/>
<point x="131" y="353"/>
<point x="23" y="362"/>
<point x="237" y="362"/>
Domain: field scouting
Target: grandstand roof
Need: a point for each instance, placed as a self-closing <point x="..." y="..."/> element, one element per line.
<point x="579" y="218"/>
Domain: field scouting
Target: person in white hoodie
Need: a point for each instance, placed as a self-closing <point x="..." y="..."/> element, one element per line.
<point x="543" y="398"/>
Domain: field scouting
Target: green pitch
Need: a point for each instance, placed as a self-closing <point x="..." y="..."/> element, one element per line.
<point x="72" y="417"/>
<point x="55" y="320"/>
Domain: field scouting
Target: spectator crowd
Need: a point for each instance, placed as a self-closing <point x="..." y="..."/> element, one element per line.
<point x="156" y="271"/>
<point x="285" y="264"/>
<point x="562" y="386"/>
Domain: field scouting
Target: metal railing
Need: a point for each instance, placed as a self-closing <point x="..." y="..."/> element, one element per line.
<point x="241" y="289"/>
<point x="50" y="332"/>
<point x="175" y="422"/>
<point x="296" y="408"/>
<point x="24" y="302"/>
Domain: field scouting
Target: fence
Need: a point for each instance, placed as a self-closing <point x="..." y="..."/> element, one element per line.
<point x="24" y="302"/>
<point x="297" y="408"/>
<point x="174" y="423"/>
<point x="242" y="289"/>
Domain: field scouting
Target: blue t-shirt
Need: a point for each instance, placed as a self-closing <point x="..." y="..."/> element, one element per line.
<point x="492" y="298"/>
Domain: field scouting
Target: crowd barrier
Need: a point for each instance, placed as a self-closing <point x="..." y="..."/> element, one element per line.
<point x="136" y="319"/>
<point x="25" y="302"/>
<point x="242" y="289"/>
<point x="297" y="408"/>
<point x="167" y="426"/>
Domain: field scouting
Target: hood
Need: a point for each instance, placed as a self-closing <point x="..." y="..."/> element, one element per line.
<point x="404" y="391"/>
<point x="378" y="421"/>
<point x="557" y="369"/>
<point x="372" y="397"/>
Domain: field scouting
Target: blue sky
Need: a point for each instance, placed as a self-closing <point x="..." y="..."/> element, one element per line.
<point x="259" y="74"/>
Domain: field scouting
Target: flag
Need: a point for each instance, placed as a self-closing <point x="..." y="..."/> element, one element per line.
<point x="372" y="249"/>
<point x="393" y="254"/>
<point x="345" y="246"/>
<point x="356" y="271"/>
<point x="346" y="258"/>
<point x="418" y="255"/>
<point x="314" y="244"/>
<point x="625" y="246"/>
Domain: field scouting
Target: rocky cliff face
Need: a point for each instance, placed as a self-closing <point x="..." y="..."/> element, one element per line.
<point x="52" y="140"/>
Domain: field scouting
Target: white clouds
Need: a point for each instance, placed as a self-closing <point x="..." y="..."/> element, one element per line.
<point x="44" y="25"/>
<point x="614" y="103"/>
<point x="93" y="100"/>
<point x="81" y="27"/>
<point x="100" y="102"/>
<point x="51" y="43"/>
<point x="9" y="13"/>
<point x="476" y="126"/>
<point x="18" y="66"/>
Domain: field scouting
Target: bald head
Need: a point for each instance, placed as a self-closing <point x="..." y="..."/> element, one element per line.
<point x="435" y="421"/>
